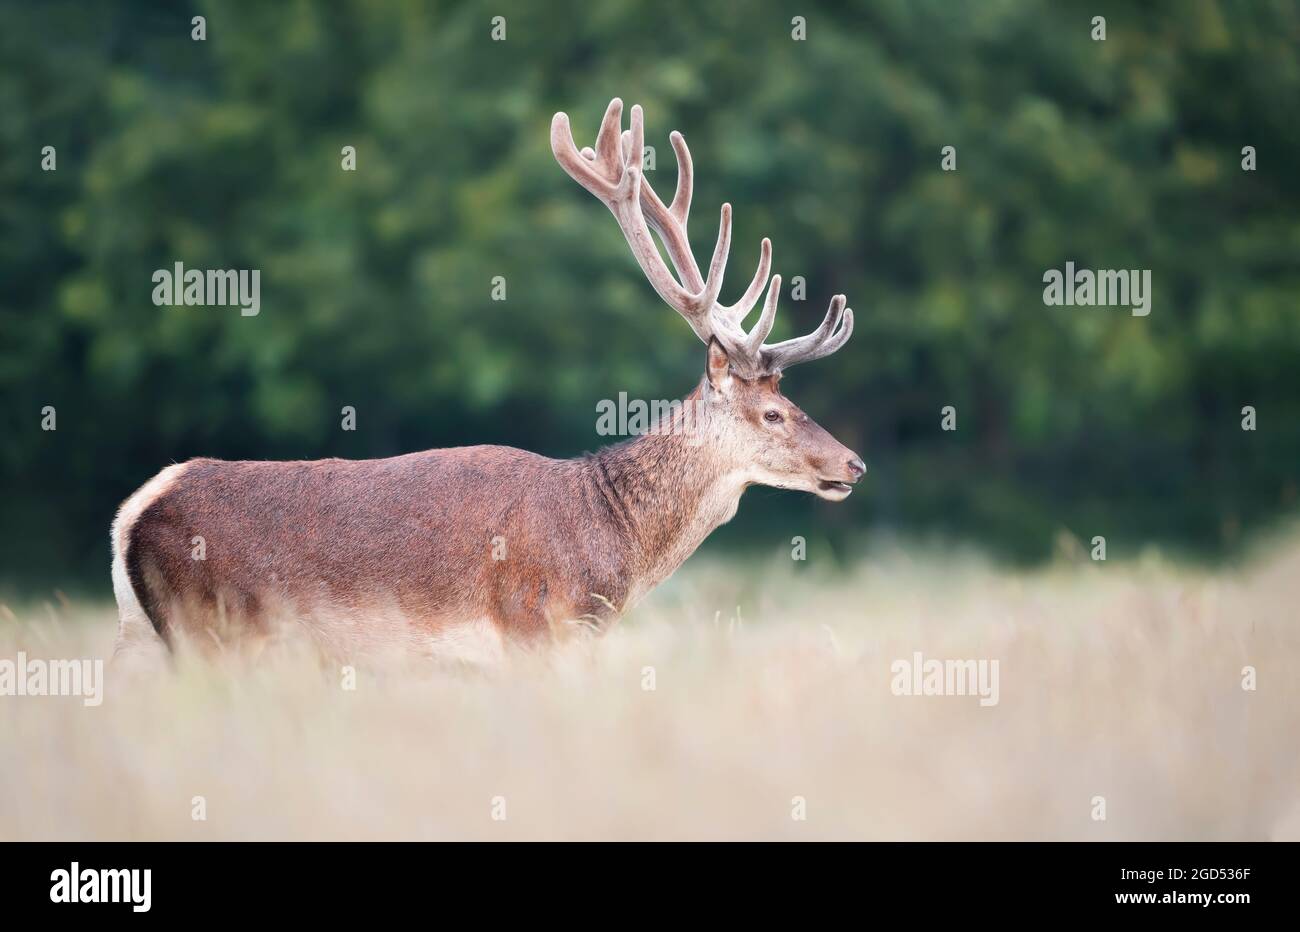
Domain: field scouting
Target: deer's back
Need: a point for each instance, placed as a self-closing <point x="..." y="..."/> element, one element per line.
<point x="394" y="549"/>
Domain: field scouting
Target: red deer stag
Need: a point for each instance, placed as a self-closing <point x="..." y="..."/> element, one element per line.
<point x="463" y="551"/>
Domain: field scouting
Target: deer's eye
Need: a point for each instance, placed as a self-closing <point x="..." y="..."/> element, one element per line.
<point x="772" y="416"/>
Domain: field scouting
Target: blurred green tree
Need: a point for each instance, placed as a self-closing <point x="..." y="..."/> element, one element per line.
<point x="377" y="284"/>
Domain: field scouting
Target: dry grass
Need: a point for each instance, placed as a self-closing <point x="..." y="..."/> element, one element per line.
<point x="1122" y="681"/>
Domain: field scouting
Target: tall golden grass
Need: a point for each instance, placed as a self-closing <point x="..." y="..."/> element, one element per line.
<point x="1120" y="681"/>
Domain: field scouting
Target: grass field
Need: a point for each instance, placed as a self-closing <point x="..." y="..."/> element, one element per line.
<point x="1120" y="681"/>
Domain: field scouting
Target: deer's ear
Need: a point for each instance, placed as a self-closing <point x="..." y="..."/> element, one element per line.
<point x="718" y="367"/>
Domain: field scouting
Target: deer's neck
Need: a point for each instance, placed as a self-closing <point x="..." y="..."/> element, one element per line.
<point x="666" y="490"/>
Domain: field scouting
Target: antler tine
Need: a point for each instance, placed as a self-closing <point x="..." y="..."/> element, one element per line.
<point x="704" y="295"/>
<point x="718" y="264"/>
<point x="821" y="342"/>
<point x="584" y="167"/>
<point x="735" y="314"/>
<point x="665" y="220"/>
<point x="766" y="319"/>
<point x="671" y="223"/>
<point x="832" y="343"/>
<point x="617" y="182"/>
<point x="607" y="138"/>
<point x="800" y="345"/>
<point x="745" y="350"/>
<point x="613" y="172"/>
<point x="681" y="207"/>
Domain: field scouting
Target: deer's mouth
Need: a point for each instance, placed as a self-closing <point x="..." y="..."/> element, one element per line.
<point x="830" y="488"/>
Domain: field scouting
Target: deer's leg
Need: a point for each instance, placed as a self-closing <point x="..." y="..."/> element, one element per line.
<point x="548" y="611"/>
<point x="138" y="646"/>
<point x="475" y="642"/>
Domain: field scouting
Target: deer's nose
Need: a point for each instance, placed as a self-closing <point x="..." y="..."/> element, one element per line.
<point x="857" y="468"/>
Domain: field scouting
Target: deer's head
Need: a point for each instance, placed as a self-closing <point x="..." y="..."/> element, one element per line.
<point x="767" y="436"/>
<point x="759" y="429"/>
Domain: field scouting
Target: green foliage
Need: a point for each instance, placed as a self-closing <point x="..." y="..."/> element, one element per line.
<point x="376" y="284"/>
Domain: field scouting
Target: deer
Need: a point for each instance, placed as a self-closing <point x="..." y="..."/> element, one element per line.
<point x="466" y="552"/>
